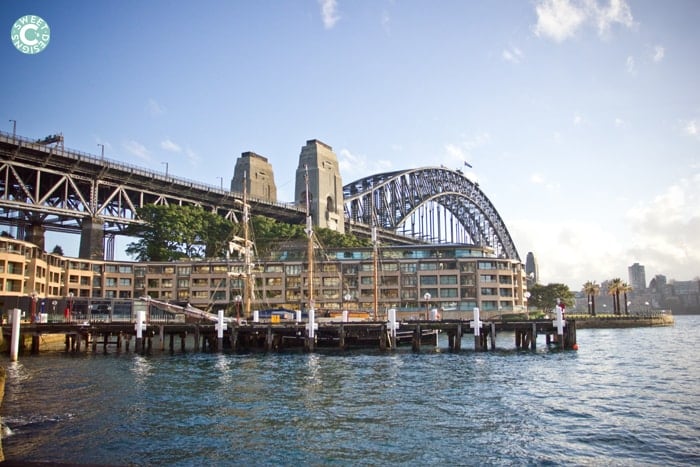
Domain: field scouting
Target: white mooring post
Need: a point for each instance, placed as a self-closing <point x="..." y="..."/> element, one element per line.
<point x="312" y="325"/>
<point x="345" y="316"/>
<point x="559" y="323"/>
<point x="298" y="316"/>
<point x="476" y="325"/>
<point x="256" y="316"/>
<point x="140" y="327"/>
<point x="392" y="325"/>
<point x="220" y="328"/>
<point x="15" y="315"/>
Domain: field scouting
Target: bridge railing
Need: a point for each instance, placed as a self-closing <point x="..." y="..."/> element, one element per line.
<point x="126" y="167"/>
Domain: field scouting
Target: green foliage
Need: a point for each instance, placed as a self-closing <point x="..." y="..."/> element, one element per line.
<point x="332" y="239"/>
<point x="175" y="232"/>
<point x="57" y="250"/>
<point x="269" y="233"/>
<point x="544" y="297"/>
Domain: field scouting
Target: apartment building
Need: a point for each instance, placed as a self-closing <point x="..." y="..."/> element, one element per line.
<point x="409" y="278"/>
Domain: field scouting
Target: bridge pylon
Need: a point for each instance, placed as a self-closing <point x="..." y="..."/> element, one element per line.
<point x="325" y="185"/>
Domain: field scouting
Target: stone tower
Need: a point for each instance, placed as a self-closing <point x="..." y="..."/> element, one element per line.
<point x="325" y="185"/>
<point x="260" y="180"/>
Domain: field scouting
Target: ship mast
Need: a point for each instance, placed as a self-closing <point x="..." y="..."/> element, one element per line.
<point x="310" y="243"/>
<point x="376" y="272"/>
<point x="248" y="290"/>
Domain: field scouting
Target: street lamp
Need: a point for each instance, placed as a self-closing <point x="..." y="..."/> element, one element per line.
<point x="427" y="297"/>
<point x="166" y="168"/>
<point x="70" y="306"/>
<point x="33" y="310"/>
<point x="14" y="128"/>
<point x="221" y="179"/>
<point x="103" y="150"/>
<point x="238" y="299"/>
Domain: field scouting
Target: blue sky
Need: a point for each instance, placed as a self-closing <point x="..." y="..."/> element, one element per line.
<point x="581" y="118"/>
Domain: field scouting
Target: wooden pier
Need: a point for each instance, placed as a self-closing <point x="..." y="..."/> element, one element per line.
<point x="203" y="337"/>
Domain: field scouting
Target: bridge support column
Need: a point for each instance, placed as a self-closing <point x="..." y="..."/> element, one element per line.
<point x="92" y="239"/>
<point x="35" y="235"/>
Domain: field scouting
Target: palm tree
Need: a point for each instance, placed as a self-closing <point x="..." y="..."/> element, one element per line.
<point x="626" y="288"/>
<point x="591" y="289"/>
<point x="614" y="289"/>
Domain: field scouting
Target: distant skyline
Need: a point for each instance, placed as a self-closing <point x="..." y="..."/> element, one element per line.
<point x="581" y="119"/>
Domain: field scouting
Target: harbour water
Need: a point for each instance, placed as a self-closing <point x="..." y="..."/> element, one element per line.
<point x="626" y="397"/>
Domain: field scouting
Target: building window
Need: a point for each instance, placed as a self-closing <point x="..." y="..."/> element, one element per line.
<point x="448" y="280"/>
<point x="448" y="293"/>
<point x="428" y="280"/>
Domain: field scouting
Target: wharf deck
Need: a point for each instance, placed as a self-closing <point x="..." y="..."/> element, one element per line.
<point x="267" y="336"/>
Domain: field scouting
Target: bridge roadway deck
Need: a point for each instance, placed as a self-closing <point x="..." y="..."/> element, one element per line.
<point x="202" y="336"/>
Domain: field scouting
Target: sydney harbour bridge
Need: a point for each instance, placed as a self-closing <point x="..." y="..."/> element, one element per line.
<point x="44" y="186"/>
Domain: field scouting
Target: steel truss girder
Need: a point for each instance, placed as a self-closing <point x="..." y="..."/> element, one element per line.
<point x="56" y="198"/>
<point x="388" y="200"/>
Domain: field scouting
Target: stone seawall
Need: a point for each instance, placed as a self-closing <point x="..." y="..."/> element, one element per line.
<point x="624" y="321"/>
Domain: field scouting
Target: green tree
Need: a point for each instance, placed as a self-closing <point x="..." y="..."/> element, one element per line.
<point x="591" y="289"/>
<point x="614" y="289"/>
<point x="174" y="232"/>
<point x="544" y="297"/>
<point x="57" y="250"/>
<point x="268" y="233"/>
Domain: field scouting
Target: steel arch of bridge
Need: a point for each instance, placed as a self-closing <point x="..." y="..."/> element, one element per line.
<point x="390" y="201"/>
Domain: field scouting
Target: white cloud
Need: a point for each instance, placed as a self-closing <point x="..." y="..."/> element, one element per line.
<point x="558" y="19"/>
<point x="154" y="109"/>
<point x="618" y="11"/>
<point x="660" y="233"/>
<point x="329" y="13"/>
<point x="170" y="146"/>
<point x="619" y="122"/>
<point x="137" y="149"/>
<point x="386" y="22"/>
<point x="578" y="119"/>
<point x="561" y="19"/>
<point x="658" y="54"/>
<point x="355" y="166"/>
<point x="665" y="230"/>
<point x="692" y="128"/>
<point x="629" y="64"/>
<point x="537" y="178"/>
<point x="456" y="154"/>
<point x="513" y="55"/>
<point x="569" y="251"/>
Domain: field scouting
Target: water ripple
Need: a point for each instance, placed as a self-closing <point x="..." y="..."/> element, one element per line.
<point x="627" y="397"/>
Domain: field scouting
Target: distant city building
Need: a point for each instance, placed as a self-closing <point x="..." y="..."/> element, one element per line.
<point x="257" y="171"/>
<point x="637" y="277"/>
<point x="531" y="270"/>
<point x="657" y="283"/>
<point x="325" y="194"/>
